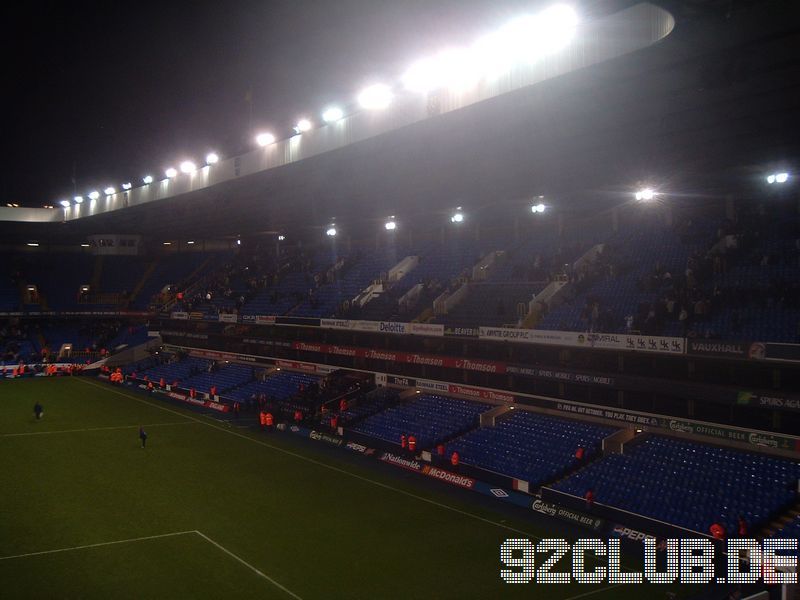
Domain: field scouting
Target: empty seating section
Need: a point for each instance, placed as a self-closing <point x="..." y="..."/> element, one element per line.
<point x="225" y="377"/>
<point x="326" y="300"/>
<point x="292" y="287"/>
<point x="431" y="419"/>
<point x="9" y="294"/>
<point x="790" y="530"/>
<point x="121" y="274"/>
<point x="493" y="304"/>
<point x="437" y="266"/>
<point x="177" y="371"/>
<point x="369" y="404"/>
<point x="278" y="387"/>
<point x="532" y="447"/>
<point x="60" y="287"/>
<point x="172" y="269"/>
<point x="129" y="336"/>
<point x="690" y="485"/>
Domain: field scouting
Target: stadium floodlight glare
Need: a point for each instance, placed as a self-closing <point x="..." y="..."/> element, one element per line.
<point x="94" y="195"/>
<point x="331" y="232"/>
<point x="109" y="191"/>
<point x="212" y="158"/>
<point x="302" y="126"/>
<point x="147" y="179"/>
<point x="538" y="208"/>
<point x="529" y="37"/>
<point x="645" y="195"/>
<point x="265" y="139"/>
<point x="422" y="77"/>
<point x="557" y="27"/>
<point x="78" y="199"/>
<point x="190" y="242"/>
<point x="33" y="244"/>
<point x="64" y="203"/>
<point x="171" y="172"/>
<point x="281" y="238"/>
<point x="375" y="97"/>
<point x="457" y="69"/>
<point x="458" y="217"/>
<point x="781" y="177"/>
<point x="491" y="55"/>
<point x="127" y="185"/>
<point x="84" y="245"/>
<point x="390" y="225"/>
<point x="332" y="114"/>
<point x="188" y="166"/>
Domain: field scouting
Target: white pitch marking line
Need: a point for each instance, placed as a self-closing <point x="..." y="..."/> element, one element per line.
<point x="139" y="539"/>
<point x="248" y="565"/>
<point x="324" y="465"/>
<point x="2" y="435"/>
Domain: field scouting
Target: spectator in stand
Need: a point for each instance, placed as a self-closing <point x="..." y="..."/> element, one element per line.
<point x="455" y="459"/>
<point x="742" y="527"/>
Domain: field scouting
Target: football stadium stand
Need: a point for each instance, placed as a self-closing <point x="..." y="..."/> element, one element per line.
<point x="431" y="419"/>
<point x="531" y="447"/>
<point x="688" y="484"/>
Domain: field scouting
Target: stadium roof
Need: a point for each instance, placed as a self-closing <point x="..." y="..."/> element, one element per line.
<point x="714" y="94"/>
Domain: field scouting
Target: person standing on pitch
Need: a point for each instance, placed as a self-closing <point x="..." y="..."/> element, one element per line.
<point x="38" y="410"/>
<point x="143" y="436"/>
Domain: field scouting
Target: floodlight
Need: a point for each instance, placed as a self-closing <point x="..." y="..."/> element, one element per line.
<point x="557" y="27"/>
<point x="331" y="232"/>
<point x="332" y="114"/>
<point x="302" y="126"/>
<point x="771" y="178"/>
<point x="457" y="217"/>
<point x="78" y="199"/>
<point x="645" y="195"/>
<point x="188" y="166"/>
<point x="265" y="139"/>
<point x="109" y="191"/>
<point x="33" y="244"/>
<point x="457" y="69"/>
<point x="212" y="158"/>
<point x="147" y="179"/>
<point x="84" y="245"/>
<point x="390" y="225"/>
<point x="781" y="177"/>
<point x="423" y="76"/>
<point x="538" y="208"/>
<point x="64" y="203"/>
<point x="170" y="173"/>
<point x="375" y="97"/>
<point x="94" y="195"/>
<point x="190" y="242"/>
<point x="281" y="238"/>
<point x="491" y="55"/>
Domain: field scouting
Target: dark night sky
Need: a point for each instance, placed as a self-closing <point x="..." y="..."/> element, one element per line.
<point x="123" y="89"/>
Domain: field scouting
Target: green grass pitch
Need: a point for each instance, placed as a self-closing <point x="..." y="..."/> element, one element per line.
<point x="209" y="511"/>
